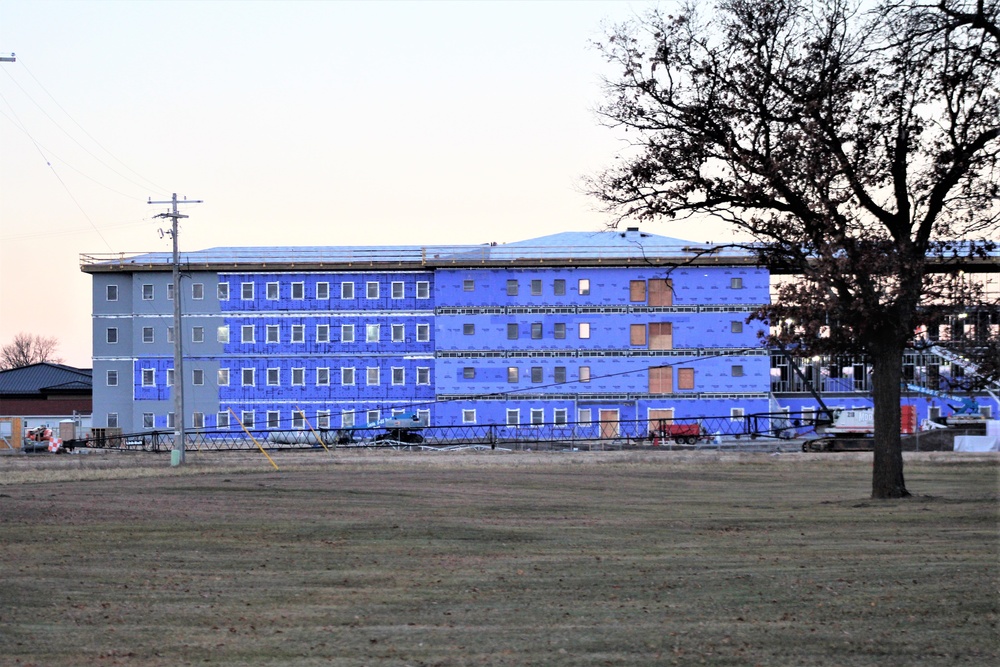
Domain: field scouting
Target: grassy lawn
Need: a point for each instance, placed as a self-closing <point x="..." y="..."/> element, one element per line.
<point x="497" y="559"/>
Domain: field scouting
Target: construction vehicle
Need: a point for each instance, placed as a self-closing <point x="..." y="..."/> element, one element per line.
<point x="42" y="439"/>
<point x="682" y="434"/>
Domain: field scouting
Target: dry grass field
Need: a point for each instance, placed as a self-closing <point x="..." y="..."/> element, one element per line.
<point x="497" y="559"/>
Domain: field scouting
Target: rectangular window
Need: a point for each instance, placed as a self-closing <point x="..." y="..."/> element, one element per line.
<point x="469" y="373"/>
<point x="112" y="379"/>
<point x="372" y="375"/>
<point x="637" y="334"/>
<point x="397" y="289"/>
<point x="423" y="333"/>
<point x="423" y="375"/>
<point x="583" y="416"/>
<point x="170" y="420"/>
<point x="246" y="333"/>
<point x="222" y="292"/>
<point x="736" y="414"/>
<point x="322" y="293"/>
<point x="512" y="374"/>
<point x="372" y="417"/>
<point x="423" y="289"/>
<point x="637" y="291"/>
<point x="273" y="333"/>
<point x="298" y="333"/>
<point x="248" y="377"/>
<point x="371" y="333"/>
<point x="513" y="416"/>
<point x="685" y="378"/>
<point x="111" y="335"/>
<point x="559" y="330"/>
<point x="661" y="380"/>
<point x="536" y="287"/>
<point x="323" y="419"/>
<point x="170" y="334"/>
<point x="247" y="418"/>
<point x="737" y="371"/>
<point x="112" y="420"/>
<point x="536" y="330"/>
<point x="298" y="291"/>
<point x="559" y="416"/>
<point x="661" y="292"/>
<point x="537" y="416"/>
<point x="468" y="416"/>
<point x="222" y="377"/>
<point x="584" y="329"/>
<point x="559" y="287"/>
<point x="736" y="283"/>
<point x="198" y="420"/>
<point x="222" y="334"/>
<point x="272" y="292"/>
<point x="584" y="373"/>
<point x="346" y="290"/>
<point x="347" y="375"/>
<point x="298" y="377"/>
<point x="197" y="291"/>
<point x="222" y="420"/>
<point x="322" y="377"/>
<point x="273" y="419"/>
<point x="347" y="419"/>
<point x="512" y="331"/>
<point x="147" y="334"/>
<point x="469" y="329"/>
<point x="147" y="292"/>
<point x="147" y="420"/>
<point x="397" y="333"/>
<point x="583" y="286"/>
<point x="559" y="374"/>
<point x="170" y="377"/>
<point x="736" y="327"/>
<point x="398" y="375"/>
<point x="661" y="336"/>
<point x="298" y="420"/>
<point x="322" y="333"/>
<point x="197" y="376"/>
<point x="246" y="291"/>
<point x="148" y="377"/>
<point x="111" y="292"/>
<point x="170" y="291"/>
<point x="197" y="334"/>
<point x="536" y="374"/>
<point x="273" y="377"/>
<point x="371" y="290"/>
<point x="469" y="285"/>
<point x="511" y="288"/>
<point x="346" y="333"/>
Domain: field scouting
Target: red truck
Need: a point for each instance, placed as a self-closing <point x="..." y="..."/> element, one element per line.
<point x="682" y="434"/>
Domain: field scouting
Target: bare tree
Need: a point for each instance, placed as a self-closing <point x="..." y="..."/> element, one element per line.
<point x="27" y="349"/>
<point x="853" y="145"/>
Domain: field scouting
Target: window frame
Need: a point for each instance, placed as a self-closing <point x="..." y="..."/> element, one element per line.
<point x="323" y="376"/>
<point x="322" y="333"/>
<point x="244" y="329"/>
<point x="111" y="293"/>
<point x="423" y="288"/>
<point x="148" y="335"/>
<point x="348" y="376"/>
<point x="298" y="378"/>
<point x="252" y="375"/>
<point x="273" y="376"/>
<point x="323" y="290"/>
<point x="298" y="288"/>
<point x="298" y="333"/>
<point x="371" y="288"/>
<point x="248" y="418"/>
<point x="197" y="291"/>
<point x="247" y="291"/>
<point x="222" y="293"/>
<point x="111" y="378"/>
<point x="423" y="332"/>
<point x="347" y="290"/>
<point x="197" y="334"/>
<point x="276" y="287"/>
<point x="150" y="293"/>
<point x="397" y="285"/>
<point x="149" y="373"/>
<point x="344" y="337"/>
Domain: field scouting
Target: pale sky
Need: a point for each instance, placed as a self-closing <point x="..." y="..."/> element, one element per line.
<point x="314" y="123"/>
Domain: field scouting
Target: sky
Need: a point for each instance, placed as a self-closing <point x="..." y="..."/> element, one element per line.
<point x="296" y="123"/>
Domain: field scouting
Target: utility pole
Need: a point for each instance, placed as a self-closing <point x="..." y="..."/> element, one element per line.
<point x="177" y="455"/>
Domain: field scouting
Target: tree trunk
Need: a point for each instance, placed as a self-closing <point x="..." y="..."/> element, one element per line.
<point x="887" y="467"/>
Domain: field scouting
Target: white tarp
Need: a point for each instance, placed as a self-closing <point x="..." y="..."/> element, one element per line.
<point x="980" y="443"/>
